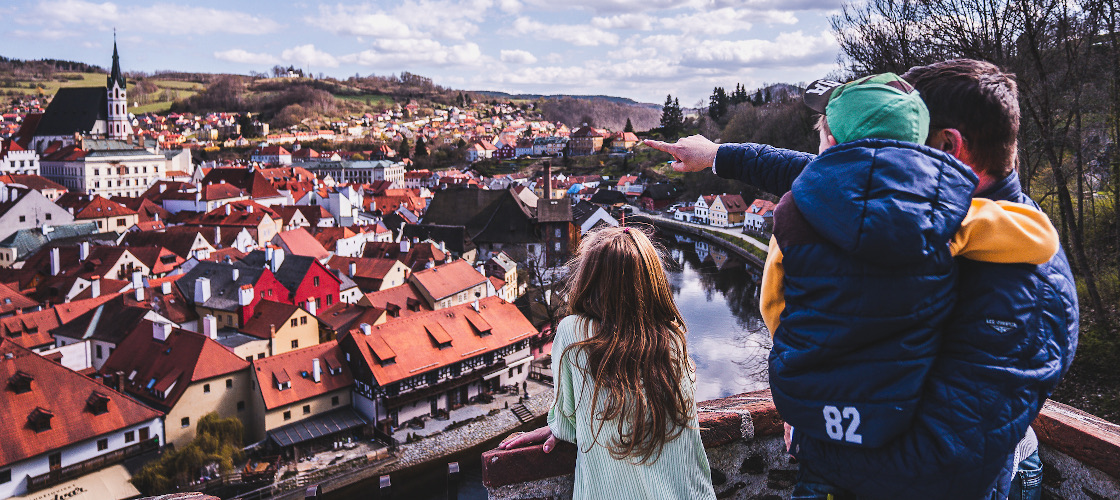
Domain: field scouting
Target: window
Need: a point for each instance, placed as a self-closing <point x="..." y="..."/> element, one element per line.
<point x="130" y="436"/>
<point x="229" y="320"/>
<point x="295" y="344"/>
<point x="144" y="434"/>
<point x="315" y="281"/>
<point x="5" y="476"/>
<point x="306" y="409"/>
<point x="334" y="400"/>
<point x="557" y="232"/>
<point x="121" y="222"/>
<point x="288" y="415"/>
<point x="206" y="388"/>
<point x="98" y="349"/>
<point x="48" y="216"/>
<point x="557" y="246"/>
<point x="100" y="224"/>
<point x="248" y="358"/>
<point x="55" y="460"/>
<point x="295" y="322"/>
<point x="260" y="355"/>
<point x="23" y="218"/>
<point x="96" y="171"/>
<point x="240" y="406"/>
<point x="303" y="320"/>
<point x="229" y="383"/>
<point x="185" y="422"/>
<point x="330" y="298"/>
<point x="102" y="444"/>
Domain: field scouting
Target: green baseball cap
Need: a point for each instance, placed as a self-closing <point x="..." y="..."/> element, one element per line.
<point x="882" y="106"/>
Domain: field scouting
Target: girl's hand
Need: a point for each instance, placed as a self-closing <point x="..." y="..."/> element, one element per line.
<point x="543" y="434"/>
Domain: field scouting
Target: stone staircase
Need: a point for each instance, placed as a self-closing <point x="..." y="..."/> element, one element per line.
<point x="521" y="412"/>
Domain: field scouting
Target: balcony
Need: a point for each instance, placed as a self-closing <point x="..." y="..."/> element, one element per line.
<point x="99" y="462"/>
<point x="743" y="437"/>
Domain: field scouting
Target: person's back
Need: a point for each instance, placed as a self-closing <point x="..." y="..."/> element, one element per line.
<point x="624" y="382"/>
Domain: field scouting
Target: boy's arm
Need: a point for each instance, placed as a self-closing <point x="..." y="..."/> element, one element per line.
<point x="772" y="299"/>
<point x="766" y="167"/>
<point x="1005" y="232"/>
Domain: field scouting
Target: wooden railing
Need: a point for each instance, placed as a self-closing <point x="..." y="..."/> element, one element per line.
<point x="85" y="467"/>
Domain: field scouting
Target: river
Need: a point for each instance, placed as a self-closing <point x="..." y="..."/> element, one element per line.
<point x="718" y="296"/>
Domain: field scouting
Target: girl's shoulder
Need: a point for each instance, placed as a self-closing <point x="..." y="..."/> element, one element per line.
<point x="573" y="328"/>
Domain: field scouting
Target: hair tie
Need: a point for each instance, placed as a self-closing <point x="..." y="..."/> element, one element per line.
<point x="626" y="230"/>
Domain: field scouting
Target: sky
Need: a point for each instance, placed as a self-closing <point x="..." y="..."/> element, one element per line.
<point x="640" y="49"/>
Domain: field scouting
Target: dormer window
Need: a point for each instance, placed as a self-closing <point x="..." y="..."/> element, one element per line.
<point x="97" y="403"/>
<point x="20" y="382"/>
<point x="40" y="419"/>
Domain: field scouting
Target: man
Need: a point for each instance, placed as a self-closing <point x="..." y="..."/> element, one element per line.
<point x="1008" y="341"/>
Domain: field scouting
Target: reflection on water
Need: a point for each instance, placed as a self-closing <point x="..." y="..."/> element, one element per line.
<point x="717" y="293"/>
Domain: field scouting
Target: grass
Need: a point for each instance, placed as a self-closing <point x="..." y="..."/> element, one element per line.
<point x="739" y="242"/>
<point x="374" y="99"/>
<point x="176" y="89"/>
<point x="155" y="107"/>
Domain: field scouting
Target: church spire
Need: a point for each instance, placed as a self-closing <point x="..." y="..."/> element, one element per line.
<point x="116" y="75"/>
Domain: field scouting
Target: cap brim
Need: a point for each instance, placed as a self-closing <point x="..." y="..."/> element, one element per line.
<point x="818" y="93"/>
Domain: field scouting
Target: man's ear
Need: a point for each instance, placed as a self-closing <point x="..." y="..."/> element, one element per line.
<point x="948" y="140"/>
<point x="831" y="141"/>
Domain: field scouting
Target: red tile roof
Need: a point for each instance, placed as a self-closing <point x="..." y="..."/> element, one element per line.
<point x="409" y="343"/>
<point x="403" y="300"/>
<point x="268" y="316"/>
<point x="95" y="207"/>
<point x="63" y="394"/>
<point x="448" y="279"/>
<point x="165" y="369"/>
<point x="291" y="366"/>
<point x="11" y="299"/>
<point x="300" y="242"/>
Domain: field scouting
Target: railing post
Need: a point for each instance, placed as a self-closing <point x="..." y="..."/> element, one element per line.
<point x="385" y="489"/>
<point x="453" y="481"/>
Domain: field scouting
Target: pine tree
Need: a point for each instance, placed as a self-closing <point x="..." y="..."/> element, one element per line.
<point x="403" y="150"/>
<point x="672" y="118"/>
<point x="757" y="101"/>
<point x="629" y="126"/>
<point x="421" y="147"/>
<point x="718" y="103"/>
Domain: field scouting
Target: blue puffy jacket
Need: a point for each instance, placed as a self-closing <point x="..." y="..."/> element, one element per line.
<point x="1008" y="341"/>
<point x="869" y="280"/>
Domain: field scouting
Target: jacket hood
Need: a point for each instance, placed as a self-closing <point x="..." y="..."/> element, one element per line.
<point x="885" y="201"/>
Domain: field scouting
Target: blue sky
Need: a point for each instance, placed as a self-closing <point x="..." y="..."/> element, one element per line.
<point x="641" y="49"/>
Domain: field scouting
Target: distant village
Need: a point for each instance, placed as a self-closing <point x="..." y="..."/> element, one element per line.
<point x="319" y="297"/>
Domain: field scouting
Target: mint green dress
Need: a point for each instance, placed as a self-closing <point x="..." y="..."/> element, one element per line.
<point x="680" y="472"/>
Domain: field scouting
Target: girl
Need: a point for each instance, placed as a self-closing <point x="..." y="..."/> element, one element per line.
<point x="624" y="381"/>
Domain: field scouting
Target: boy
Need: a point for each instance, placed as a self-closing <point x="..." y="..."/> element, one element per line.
<point x="860" y="272"/>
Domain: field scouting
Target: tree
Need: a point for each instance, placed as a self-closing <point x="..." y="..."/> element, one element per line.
<point x="421" y="147"/>
<point x="403" y="150"/>
<point x="629" y="126"/>
<point x="219" y="440"/>
<point x="672" y="118"/>
<point x="718" y="104"/>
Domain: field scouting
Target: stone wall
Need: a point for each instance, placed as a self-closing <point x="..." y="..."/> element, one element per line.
<point x="743" y="436"/>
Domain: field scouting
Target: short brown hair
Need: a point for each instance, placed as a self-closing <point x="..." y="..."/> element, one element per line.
<point x="979" y="100"/>
<point x="822" y="125"/>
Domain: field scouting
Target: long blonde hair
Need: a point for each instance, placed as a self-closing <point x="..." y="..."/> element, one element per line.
<point x="638" y="353"/>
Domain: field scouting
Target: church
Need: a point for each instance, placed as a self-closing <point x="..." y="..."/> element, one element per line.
<point x="81" y="111"/>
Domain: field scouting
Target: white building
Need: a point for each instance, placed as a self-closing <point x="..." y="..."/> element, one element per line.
<point x="359" y="172"/>
<point x="107" y="167"/>
<point x="16" y="160"/>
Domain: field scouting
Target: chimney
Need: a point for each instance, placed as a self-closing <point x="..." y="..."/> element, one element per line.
<point x="210" y="326"/>
<point x="474" y="305"/>
<point x="311" y="306"/>
<point x="228" y="209"/>
<point x="165" y="288"/>
<point x="83" y="250"/>
<point x="547" y="180"/>
<point x="162" y="187"/>
<point x="236" y="274"/>
<point x="316" y="372"/>
<point x="55" y="264"/>
<point x="277" y="259"/>
<point x="249" y="208"/>
<point x="353" y="268"/>
<point x="138" y="284"/>
<point x="198" y="196"/>
<point x="367" y="330"/>
<point x="406" y="245"/>
<point x="95" y="287"/>
<point x="160" y="331"/>
<point x="201" y="290"/>
<point x="268" y="254"/>
<point x="245" y="295"/>
<point x="217" y="235"/>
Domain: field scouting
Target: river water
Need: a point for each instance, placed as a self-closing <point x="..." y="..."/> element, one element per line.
<point x="717" y="294"/>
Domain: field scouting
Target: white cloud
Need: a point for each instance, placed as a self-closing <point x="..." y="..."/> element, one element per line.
<point x="788" y="49"/>
<point x="308" y="55"/>
<point x="403" y="53"/>
<point x="575" y="34"/>
<point x="629" y="21"/>
<point x="361" y="21"/>
<point x="242" y="56"/>
<point x="518" y="57"/>
<point x="158" y="18"/>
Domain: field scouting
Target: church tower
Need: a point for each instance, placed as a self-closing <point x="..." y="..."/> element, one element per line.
<point x="118" y="125"/>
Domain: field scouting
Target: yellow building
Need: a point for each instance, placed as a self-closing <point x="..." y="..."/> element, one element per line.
<point x="285" y="326"/>
<point x="450" y="284"/>
<point x="183" y="374"/>
<point x="295" y="390"/>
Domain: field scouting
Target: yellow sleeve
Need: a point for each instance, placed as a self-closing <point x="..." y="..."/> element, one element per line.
<point x="773" y="300"/>
<point x="1005" y="232"/>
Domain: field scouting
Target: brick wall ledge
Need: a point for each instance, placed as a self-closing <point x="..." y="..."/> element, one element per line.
<point x="743" y="437"/>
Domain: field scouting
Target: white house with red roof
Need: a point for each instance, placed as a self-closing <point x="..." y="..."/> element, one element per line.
<point x="271" y="155"/>
<point x="58" y="422"/>
<point x="14" y="159"/>
<point x="759" y="216"/>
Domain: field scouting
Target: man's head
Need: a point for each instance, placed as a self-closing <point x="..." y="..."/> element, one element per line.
<point x="878" y="106"/>
<point x="978" y="100"/>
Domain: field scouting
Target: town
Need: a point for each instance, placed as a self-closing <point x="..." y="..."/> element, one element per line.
<point x="333" y="306"/>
